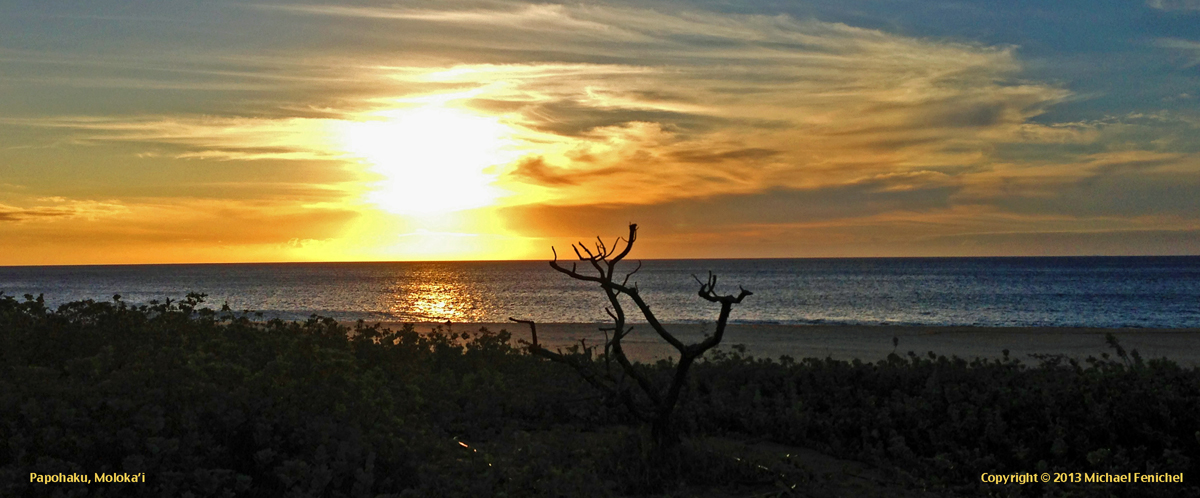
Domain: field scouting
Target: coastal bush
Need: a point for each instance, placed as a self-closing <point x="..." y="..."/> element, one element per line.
<point x="944" y="421"/>
<point x="211" y="403"/>
<point x="204" y="405"/>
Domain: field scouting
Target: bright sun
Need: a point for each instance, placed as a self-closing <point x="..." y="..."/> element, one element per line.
<point x="432" y="160"/>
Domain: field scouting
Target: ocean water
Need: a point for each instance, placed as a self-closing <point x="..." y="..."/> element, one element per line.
<point x="1072" y="292"/>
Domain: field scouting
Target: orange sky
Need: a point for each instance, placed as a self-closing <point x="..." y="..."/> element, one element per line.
<point x="414" y="131"/>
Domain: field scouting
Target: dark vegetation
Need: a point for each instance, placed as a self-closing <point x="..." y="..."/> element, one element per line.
<point x="211" y="403"/>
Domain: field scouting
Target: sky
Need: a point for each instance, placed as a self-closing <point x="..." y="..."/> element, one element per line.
<point x="173" y="131"/>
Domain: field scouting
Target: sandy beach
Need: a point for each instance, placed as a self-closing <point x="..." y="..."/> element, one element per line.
<point x="873" y="343"/>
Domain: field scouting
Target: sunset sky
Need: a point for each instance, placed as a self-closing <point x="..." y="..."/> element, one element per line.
<point x="220" y="131"/>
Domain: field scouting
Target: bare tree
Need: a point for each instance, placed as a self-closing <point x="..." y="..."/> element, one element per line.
<point x="651" y="403"/>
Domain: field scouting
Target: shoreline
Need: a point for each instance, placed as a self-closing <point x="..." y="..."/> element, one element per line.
<point x="868" y="343"/>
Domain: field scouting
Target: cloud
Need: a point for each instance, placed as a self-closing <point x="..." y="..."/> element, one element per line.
<point x="12" y="213"/>
<point x="535" y="170"/>
<point x="1188" y="48"/>
<point x="205" y="137"/>
<point x="59" y="208"/>
<point x="177" y="218"/>
<point x="864" y="198"/>
<point x="1132" y="194"/>
<point x="757" y="125"/>
<point x="722" y="103"/>
<point x="1174" y="5"/>
<point x="648" y="106"/>
<point x="947" y="231"/>
<point x="1069" y="243"/>
<point x="535" y="17"/>
<point x="202" y="75"/>
<point x="712" y="157"/>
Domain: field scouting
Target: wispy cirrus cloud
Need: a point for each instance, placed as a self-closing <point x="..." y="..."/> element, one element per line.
<point x="530" y="17"/>
<point x="204" y="137"/>
<point x="1188" y="48"/>
<point x="1183" y="5"/>
<point x="762" y="102"/>
<point x="783" y="127"/>
<point x="711" y="103"/>
<point x="60" y="208"/>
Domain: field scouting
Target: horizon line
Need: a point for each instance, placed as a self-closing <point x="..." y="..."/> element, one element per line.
<point x="68" y="265"/>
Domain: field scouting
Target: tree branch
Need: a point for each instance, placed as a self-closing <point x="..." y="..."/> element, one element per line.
<point x="630" y="274"/>
<point x="532" y="328"/>
<point x="628" y="243"/>
<point x="662" y="402"/>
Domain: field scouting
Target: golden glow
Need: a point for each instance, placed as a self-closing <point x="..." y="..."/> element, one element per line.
<point x="434" y="293"/>
<point x="376" y="235"/>
<point x="431" y="159"/>
<point x="409" y="142"/>
<point x="431" y="302"/>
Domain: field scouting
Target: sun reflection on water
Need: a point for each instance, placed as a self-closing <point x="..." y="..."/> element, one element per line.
<point x="437" y="294"/>
<point x="437" y="302"/>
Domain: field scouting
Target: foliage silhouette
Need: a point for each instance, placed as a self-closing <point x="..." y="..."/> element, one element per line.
<point x="212" y="403"/>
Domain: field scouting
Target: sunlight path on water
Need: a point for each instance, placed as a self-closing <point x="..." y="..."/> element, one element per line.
<point x="436" y="293"/>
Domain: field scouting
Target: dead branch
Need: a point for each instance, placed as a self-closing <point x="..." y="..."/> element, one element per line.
<point x="652" y="403"/>
<point x="532" y="328"/>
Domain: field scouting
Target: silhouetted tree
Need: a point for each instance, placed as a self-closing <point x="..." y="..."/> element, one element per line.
<point x="651" y="402"/>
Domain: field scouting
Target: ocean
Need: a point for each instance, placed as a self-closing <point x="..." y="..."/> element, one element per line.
<point x="1154" y="292"/>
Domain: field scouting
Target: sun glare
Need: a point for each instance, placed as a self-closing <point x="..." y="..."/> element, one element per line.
<point x="431" y="160"/>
